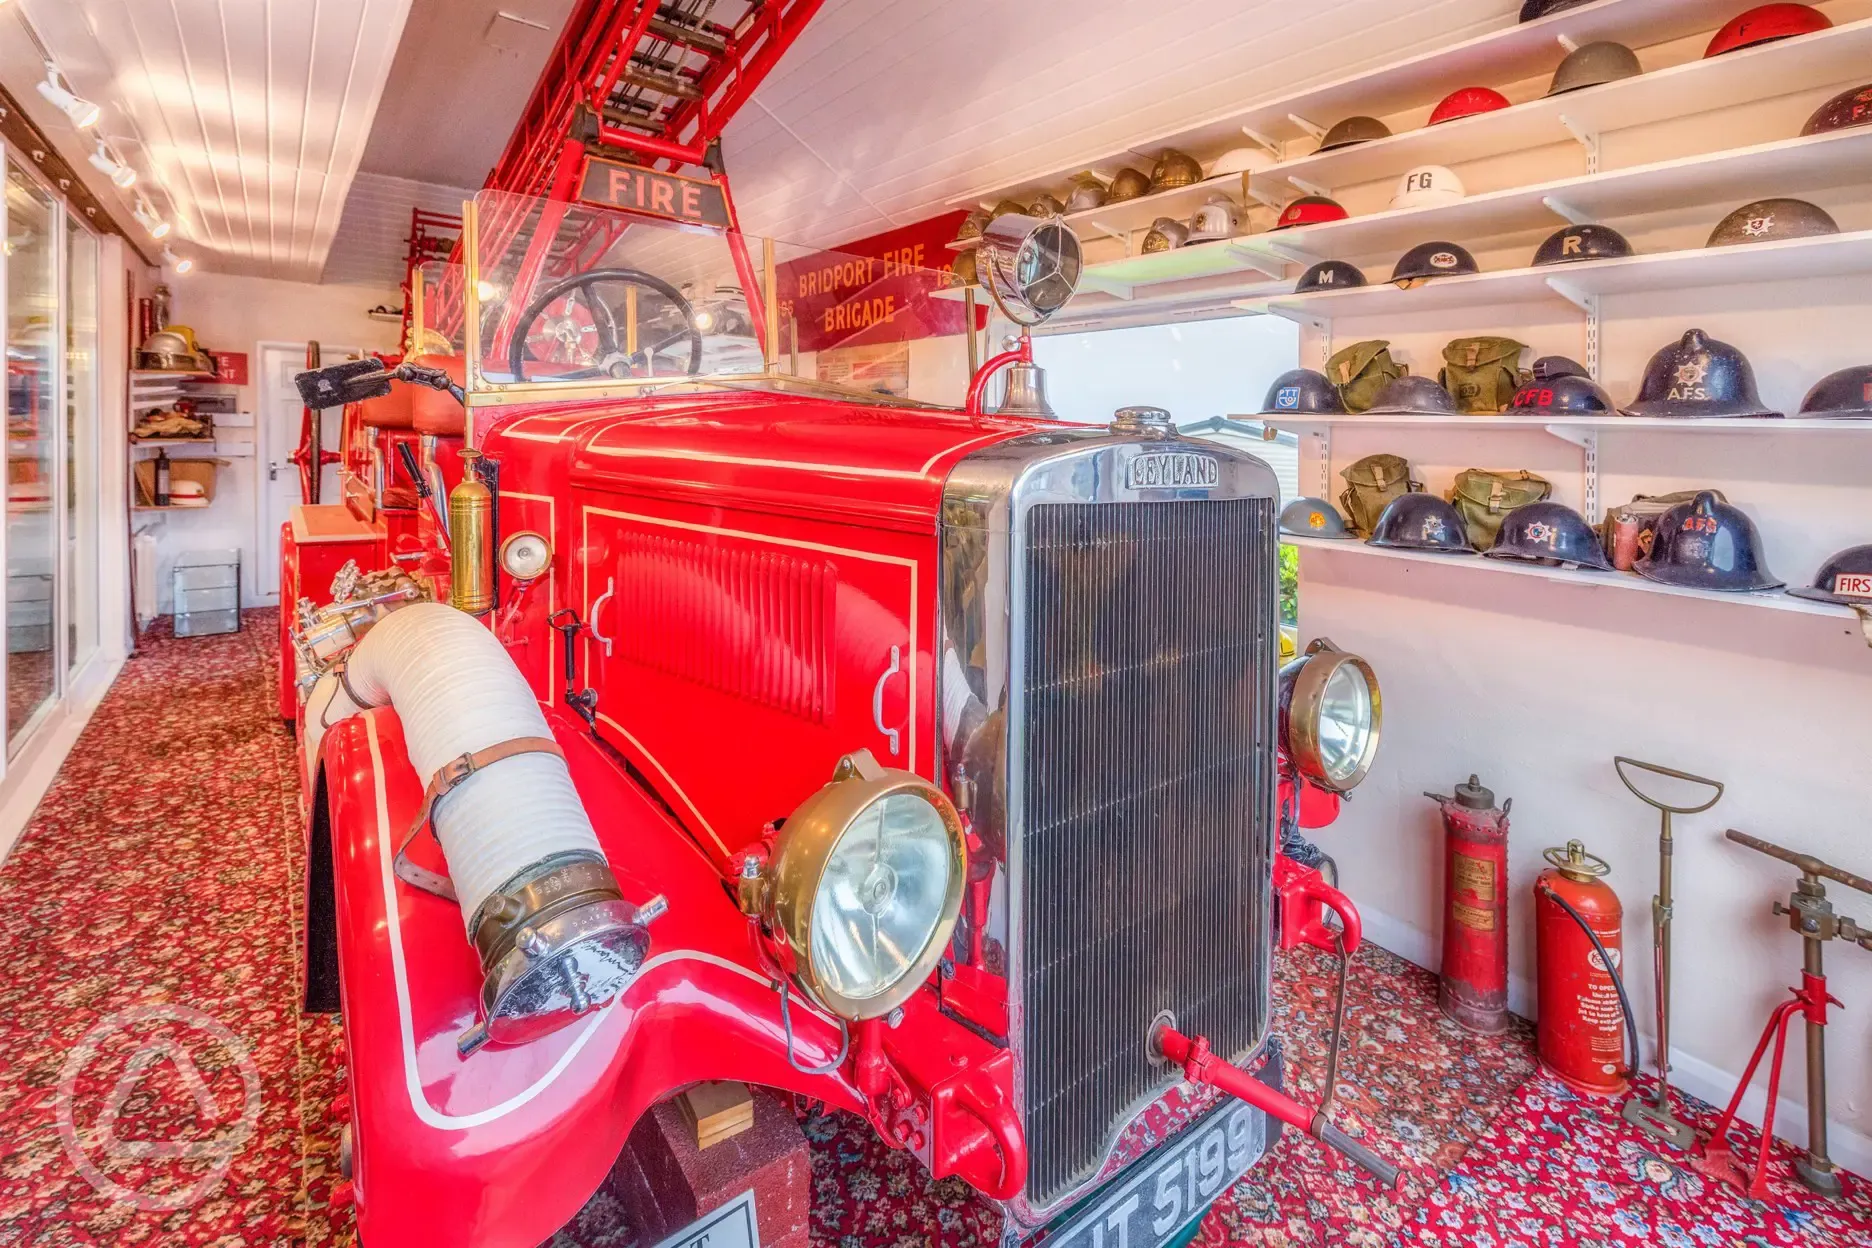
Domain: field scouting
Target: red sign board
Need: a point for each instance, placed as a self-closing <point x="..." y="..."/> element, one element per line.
<point x="652" y="193"/>
<point x="877" y="289"/>
<point x="230" y="367"/>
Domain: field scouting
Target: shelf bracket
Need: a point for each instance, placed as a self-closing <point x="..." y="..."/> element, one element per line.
<point x="1568" y="43"/>
<point x="1262" y="139"/>
<point x="1565" y="211"/>
<point x="1310" y="188"/>
<point x="1268" y="266"/>
<point x="1588" y="138"/>
<point x="1123" y="236"/>
<point x="1588" y="442"/>
<point x="1311" y="127"/>
<point x="1570" y="292"/>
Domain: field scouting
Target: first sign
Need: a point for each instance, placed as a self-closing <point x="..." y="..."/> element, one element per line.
<point x="633" y="188"/>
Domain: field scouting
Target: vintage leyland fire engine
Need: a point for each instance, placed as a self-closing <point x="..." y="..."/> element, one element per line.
<point x="668" y="719"/>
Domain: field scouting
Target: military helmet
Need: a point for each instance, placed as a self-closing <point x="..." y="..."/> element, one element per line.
<point x="1045" y="206"/>
<point x="973" y="224"/>
<point x="1534" y="10"/>
<point x="1697" y="376"/>
<point x="1421" y="522"/>
<point x="1847" y="109"/>
<point x="1310" y="210"/>
<point x="1591" y="64"/>
<point x="1313" y="517"/>
<point x="1767" y="220"/>
<point x="1354" y="130"/>
<point x="1846" y="578"/>
<point x="1847" y="392"/>
<point x="1467" y="102"/>
<point x="1329" y="275"/>
<point x="1549" y="367"/>
<point x="1548" y="532"/>
<point x="963" y="266"/>
<point x="1217" y="219"/>
<point x="1766" y="23"/>
<point x="1408" y="393"/>
<point x="1427" y="186"/>
<point x="1128" y="184"/>
<point x="1707" y="544"/>
<point x="1582" y="242"/>
<point x="1166" y="234"/>
<point x="1566" y="395"/>
<point x="1427" y="260"/>
<point x="1302" y="390"/>
<point x="1087" y="192"/>
<point x="1174" y="169"/>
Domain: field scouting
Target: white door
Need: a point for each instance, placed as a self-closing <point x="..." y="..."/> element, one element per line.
<point x="279" y="424"/>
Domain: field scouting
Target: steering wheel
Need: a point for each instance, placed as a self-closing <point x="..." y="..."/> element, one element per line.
<point x="612" y="360"/>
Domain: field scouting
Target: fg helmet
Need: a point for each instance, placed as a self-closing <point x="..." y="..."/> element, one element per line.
<point x="1582" y="242"/>
<point x="1406" y="394"/>
<point x="1315" y="517"/>
<point x="1421" y="522"/>
<point x="1428" y="260"/>
<point x="1354" y="130"/>
<point x="1045" y="206"/>
<point x="1567" y="395"/>
<point x="1087" y="193"/>
<point x="1467" y="102"/>
<point x="1534" y="10"/>
<point x="1241" y="160"/>
<point x="1427" y="186"/>
<point x="1707" y="544"/>
<point x="1848" y="108"/>
<point x="1329" y="275"/>
<point x="1174" y="169"/>
<point x="1302" y="390"/>
<point x="972" y="225"/>
<point x="1845" y="579"/>
<point x="1764" y="24"/>
<point x="1591" y="64"/>
<point x="1698" y="376"/>
<point x="1310" y="210"/>
<point x="1549" y="367"/>
<point x="1551" y="533"/>
<point x="1845" y="393"/>
<point x="1219" y="218"/>
<point x="1767" y="220"/>
<point x="1166" y="234"/>
<point x="1128" y="184"/>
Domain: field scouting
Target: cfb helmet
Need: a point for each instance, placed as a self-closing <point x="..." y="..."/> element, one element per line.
<point x="1592" y="64"/>
<point x="1166" y="234"/>
<point x="1467" y="102"/>
<point x="1569" y="394"/>
<point x="1406" y="394"/>
<point x="1217" y="219"/>
<point x="1302" y="391"/>
<point x="1314" y="517"/>
<point x="1426" y="186"/>
<point x="1087" y="192"/>
<point x="1329" y="275"/>
<point x="1848" y="108"/>
<point x="1551" y="533"/>
<point x="1698" y="376"/>
<point x="1128" y="184"/>
<point x="1767" y="220"/>
<point x="1707" y="544"/>
<point x="1847" y="392"/>
<point x="1582" y="242"/>
<point x="1845" y="579"/>
<point x="1428" y="260"/>
<point x="1764" y="24"/>
<point x="1421" y="522"/>
<point x="1310" y="210"/>
<point x="1549" y="367"/>
<point x="1174" y="169"/>
<point x="1354" y="130"/>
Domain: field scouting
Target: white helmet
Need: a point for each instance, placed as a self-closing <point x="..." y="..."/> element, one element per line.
<point x="1219" y="218"/>
<point x="1241" y="160"/>
<point x="1427" y="185"/>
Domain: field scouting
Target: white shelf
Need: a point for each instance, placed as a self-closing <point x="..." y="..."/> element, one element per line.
<point x="1516" y="420"/>
<point x="1123" y="277"/>
<point x="1773" y="600"/>
<point x="1832" y="255"/>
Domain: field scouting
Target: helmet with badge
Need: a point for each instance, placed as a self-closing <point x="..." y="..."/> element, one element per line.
<point x="1219" y="218"/>
<point x="1467" y="102"/>
<point x="1594" y="64"/>
<point x="1427" y="186"/>
<point x="1845" y="579"/>
<point x="1766" y="23"/>
<point x="1568" y="394"/>
<point x="972" y="225"/>
<point x="1428" y="260"/>
<point x="1313" y="517"/>
<point x="1697" y="377"/>
<point x="1550" y="533"/>
<point x="1310" y="210"/>
<point x="1329" y="275"/>
<point x="1302" y="391"/>
<point x="1843" y="111"/>
<point x="1045" y="205"/>
<point x="1354" y="130"/>
<point x="1769" y="220"/>
<point x="1846" y="393"/>
<point x="1575" y="243"/>
<point x="1707" y="544"/>
<point x="1087" y="192"/>
<point x="1166" y="234"/>
<point x="1128" y="184"/>
<point x="1174" y="169"/>
<point x="1421" y="522"/>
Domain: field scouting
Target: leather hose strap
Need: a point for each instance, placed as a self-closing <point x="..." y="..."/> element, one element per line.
<point x="449" y="775"/>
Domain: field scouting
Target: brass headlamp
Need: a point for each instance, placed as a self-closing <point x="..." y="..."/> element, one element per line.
<point x="1331" y="713"/>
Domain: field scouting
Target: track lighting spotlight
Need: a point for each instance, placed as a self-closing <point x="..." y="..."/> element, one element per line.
<point x="120" y="174"/>
<point x="181" y="264"/>
<point x="83" y="113"/>
<point x="147" y="218"/>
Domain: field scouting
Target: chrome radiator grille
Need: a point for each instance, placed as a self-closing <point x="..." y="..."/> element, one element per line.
<point x="1147" y="797"/>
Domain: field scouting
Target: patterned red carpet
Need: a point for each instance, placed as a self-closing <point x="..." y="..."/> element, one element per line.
<point x="147" y="919"/>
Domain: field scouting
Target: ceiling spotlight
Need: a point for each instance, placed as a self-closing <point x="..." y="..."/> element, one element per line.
<point x="146" y="216"/>
<point x="83" y="112"/>
<point x="120" y="174"/>
<point x="181" y="264"/>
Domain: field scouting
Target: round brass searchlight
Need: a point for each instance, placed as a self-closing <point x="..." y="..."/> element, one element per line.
<point x="1331" y="713"/>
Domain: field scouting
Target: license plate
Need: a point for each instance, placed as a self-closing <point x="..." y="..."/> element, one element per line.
<point x="1173" y="1187"/>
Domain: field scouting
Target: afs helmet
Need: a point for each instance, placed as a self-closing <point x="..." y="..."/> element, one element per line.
<point x="1582" y="242"/>
<point x="1428" y="260"/>
<point x="1406" y="394"/>
<point x="1569" y="394"/>
<point x="1315" y="517"/>
<point x="1128" y="184"/>
<point x="1354" y="130"/>
<point x="1421" y="522"/>
<point x="1697" y="376"/>
<point x="1329" y="275"/>
<point x="1467" y="102"/>
<point x="1846" y="578"/>
<point x="1592" y="64"/>
<point x="1302" y="390"/>
<point x="1845" y="110"/>
<point x="1769" y="220"/>
<point x="1845" y="393"/>
<point x="1310" y="210"/>
<point x="1551" y="533"/>
<point x="1174" y="169"/>
<point x="1427" y="186"/>
<point x="1707" y="544"/>
<point x="1764" y="24"/>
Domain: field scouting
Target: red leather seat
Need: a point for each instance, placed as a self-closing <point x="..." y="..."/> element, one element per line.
<point x="433" y="411"/>
<point x="391" y="411"/>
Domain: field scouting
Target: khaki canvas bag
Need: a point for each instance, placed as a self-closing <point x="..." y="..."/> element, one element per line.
<point x="1360" y="372"/>
<point x="1484" y="498"/>
<point x="1481" y="373"/>
<point x="1370" y="484"/>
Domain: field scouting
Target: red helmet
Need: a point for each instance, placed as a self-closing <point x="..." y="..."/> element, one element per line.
<point x="1467" y="103"/>
<point x="1766" y="23"/>
<point x="1310" y="210"/>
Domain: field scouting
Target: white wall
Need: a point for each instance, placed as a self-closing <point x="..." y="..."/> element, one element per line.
<point x="1194" y="370"/>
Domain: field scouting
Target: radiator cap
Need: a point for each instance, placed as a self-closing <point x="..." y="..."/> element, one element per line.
<point x="1151" y="421"/>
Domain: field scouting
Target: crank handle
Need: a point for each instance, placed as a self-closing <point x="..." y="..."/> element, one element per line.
<point x="1300" y="889"/>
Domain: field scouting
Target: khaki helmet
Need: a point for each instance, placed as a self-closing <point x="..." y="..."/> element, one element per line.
<point x="1045" y="206"/>
<point x="973" y="224"/>
<point x="1766" y="220"/>
<point x="1166" y="234"/>
<point x="964" y="268"/>
<point x="1591" y="64"/>
<point x="1087" y="192"/>
<point x="1129" y="184"/>
<point x="1354" y="130"/>
<point x="1174" y="169"/>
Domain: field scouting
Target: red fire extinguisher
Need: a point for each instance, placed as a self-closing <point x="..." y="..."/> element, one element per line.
<point x="1474" y="988"/>
<point x="1577" y="942"/>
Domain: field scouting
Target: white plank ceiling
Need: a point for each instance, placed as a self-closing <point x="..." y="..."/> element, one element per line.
<point x="245" y="118"/>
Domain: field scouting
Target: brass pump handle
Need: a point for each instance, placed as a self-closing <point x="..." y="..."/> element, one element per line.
<point x="1806" y="863"/>
<point x="1620" y="763"/>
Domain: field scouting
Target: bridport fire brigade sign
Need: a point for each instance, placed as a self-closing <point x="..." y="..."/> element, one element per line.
<point x="875" y="290"/>
<point x="651" y="192"/>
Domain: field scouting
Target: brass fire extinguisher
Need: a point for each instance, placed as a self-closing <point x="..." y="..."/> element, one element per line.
<point x="471" y="514"/>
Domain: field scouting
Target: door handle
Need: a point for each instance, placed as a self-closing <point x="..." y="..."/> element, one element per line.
<point x="273" y="470"/>
<point x="877" y="699"/>
<point x="591" y="625"/>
